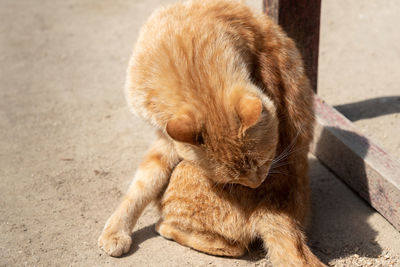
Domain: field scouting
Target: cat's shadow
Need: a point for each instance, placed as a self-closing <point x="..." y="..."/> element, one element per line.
<point x="339" y="226"/>
<point x="141" y="235"/>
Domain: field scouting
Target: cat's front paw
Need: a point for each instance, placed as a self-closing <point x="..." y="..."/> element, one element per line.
<point x="114" y="243"/>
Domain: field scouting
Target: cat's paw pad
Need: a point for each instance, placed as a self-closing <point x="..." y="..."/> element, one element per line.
<point x="115" y="243"/>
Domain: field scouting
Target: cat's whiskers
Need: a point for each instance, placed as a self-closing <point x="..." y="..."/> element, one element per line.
<point x="279" y="163"/>
<point x="289" y="147"/>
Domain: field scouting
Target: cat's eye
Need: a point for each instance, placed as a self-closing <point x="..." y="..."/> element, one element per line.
<point x="261" y="162"/>
<point x="199" y="139"/>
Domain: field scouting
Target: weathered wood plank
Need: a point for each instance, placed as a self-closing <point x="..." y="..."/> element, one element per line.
<point x="300" y="19"/>
<point x="363" y="165"/>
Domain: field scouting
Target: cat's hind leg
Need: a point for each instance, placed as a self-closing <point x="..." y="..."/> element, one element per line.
<point x="209" y="243"/>
<point x="285" y="241"/>
<point x="150" y="179"/>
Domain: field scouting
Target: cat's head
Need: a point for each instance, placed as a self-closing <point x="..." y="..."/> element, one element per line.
<point x="234" y="141"/>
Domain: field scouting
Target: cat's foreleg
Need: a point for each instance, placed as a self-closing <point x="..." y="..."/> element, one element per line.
<point x="151" y="177"/>
<point x="285" y="242"/>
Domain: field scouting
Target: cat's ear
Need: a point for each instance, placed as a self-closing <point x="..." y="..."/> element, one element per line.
<point x="249" y="109"/>
<point x="183" y="129"/>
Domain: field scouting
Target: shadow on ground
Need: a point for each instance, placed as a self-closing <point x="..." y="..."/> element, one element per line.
<point x="139" y="236"/>
<point x="339" y="226"/>
<point x="370" y="108"/>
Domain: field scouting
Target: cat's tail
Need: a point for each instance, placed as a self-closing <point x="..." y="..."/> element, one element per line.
<point x="285" y="241"/>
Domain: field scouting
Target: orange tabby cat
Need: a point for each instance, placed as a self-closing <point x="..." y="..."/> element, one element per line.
<point x="226" y="89"/>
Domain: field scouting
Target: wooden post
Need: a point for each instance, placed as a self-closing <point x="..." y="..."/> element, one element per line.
<point x="359" y="162"/>
<point x="300" y="19"/>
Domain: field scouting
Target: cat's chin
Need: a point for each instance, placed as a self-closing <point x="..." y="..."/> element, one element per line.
<point x="255" y="179"/>
<point x="251" y="183"/>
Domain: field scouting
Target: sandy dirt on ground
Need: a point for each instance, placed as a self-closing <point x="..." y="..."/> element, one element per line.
<point x="69" y="145"/>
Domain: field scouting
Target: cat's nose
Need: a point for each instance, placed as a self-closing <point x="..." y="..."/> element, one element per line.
<point x="262" y="172"/>
<point x="252" y="180"/>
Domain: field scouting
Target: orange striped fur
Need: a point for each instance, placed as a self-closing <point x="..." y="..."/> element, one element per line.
<point x="226" y="90"/>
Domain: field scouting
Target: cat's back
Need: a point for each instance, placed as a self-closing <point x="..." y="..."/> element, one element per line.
<point x="188" y="25"/>
<point x="187" y="51"/>
<point x="196" y="14"/>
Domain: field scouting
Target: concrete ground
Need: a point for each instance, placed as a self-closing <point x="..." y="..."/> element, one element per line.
<point x="69" y="146"/>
